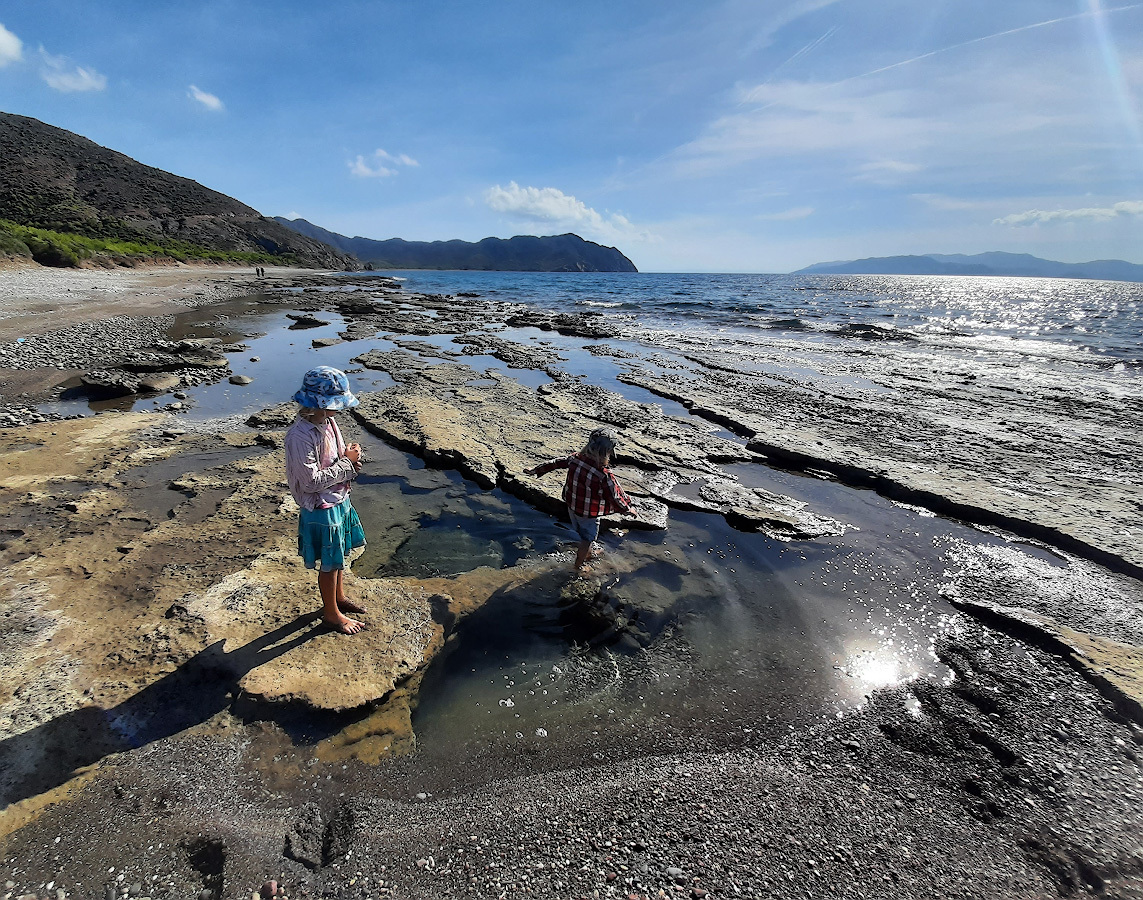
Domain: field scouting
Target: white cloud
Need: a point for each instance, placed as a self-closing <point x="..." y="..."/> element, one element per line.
<point x="887" y="171"/>
<point x="789" y="215"/>
<point x="985" y="116"/>
<point x="210" y="101"/>
<point x="951" y="204"/>
<point x="11" y="49"/>
<point x="553" y="207"/>
<point x="364" y="168"/>
<point x="59" y="74"/>
<point x="1096" y="214"/>
<point x="402" y="159"/>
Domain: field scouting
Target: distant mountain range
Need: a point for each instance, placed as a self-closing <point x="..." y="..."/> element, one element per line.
<point x="1010" y="264"/>
<point x="523" y="253"/>
<point x="54" y="180"/>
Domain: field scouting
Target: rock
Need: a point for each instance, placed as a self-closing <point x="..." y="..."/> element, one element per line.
<point x="318" y="343"/>
<point x="269" y="889"/>
<point x="180" y="395"/>
<point x="159" y="382"/>
<point x="255" y="359"/>
<point x="166" y="361"/>
<point x="241" y="379"/>
<point x="105" y="384"/>
<point x="304" y="320"/>
<point x="275" y="417"/>
<point x="491" y="428"/>
<point x="305" y="840"/>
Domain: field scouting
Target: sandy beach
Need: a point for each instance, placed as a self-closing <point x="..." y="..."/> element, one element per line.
<point x="164" y="669"/>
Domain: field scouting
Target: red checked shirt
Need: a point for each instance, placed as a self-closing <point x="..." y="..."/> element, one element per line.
<point x="590" y="491"/>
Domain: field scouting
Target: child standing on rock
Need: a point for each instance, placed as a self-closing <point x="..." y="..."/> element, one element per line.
<point x="320" y="468"/>
<point x="591" y="490"/>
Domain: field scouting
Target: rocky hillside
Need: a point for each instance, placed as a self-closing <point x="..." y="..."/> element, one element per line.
<point x="523" y="253"/>
<point x="53" y="179"/>
<point x="1019" y="265"/>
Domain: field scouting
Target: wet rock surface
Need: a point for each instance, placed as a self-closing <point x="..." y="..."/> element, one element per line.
<point x="492" y="428"/>
<point x="959" y="442"/>
<point x="158" y="565"/>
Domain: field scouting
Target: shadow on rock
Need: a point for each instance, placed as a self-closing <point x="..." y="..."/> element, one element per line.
<point x="46" y="756"/>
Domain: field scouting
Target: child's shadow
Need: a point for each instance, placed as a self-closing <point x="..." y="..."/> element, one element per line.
<point x="46" y="756"/>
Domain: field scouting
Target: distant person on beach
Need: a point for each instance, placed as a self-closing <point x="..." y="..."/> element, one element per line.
<point x="320" y="468"/>
<point x="590" y="491"/>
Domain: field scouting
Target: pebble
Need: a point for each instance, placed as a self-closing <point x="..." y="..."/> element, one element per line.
<point x="241" y="379"/>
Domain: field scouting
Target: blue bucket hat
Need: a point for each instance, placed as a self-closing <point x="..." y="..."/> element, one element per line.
<point x="325" y="388"/>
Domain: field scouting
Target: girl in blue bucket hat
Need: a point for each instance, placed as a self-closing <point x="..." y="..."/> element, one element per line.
<point x="320" y="468"/>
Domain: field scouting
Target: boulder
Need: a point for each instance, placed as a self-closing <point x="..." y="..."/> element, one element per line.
<point x="159" y="382"/>
<point x="105" y="384"/>
<point x="304" y="320"/>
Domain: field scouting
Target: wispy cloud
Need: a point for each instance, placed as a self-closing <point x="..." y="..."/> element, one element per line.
<point x="964" y="108"/>
<point x="59" y="73"/>
<point x="887" y="171"/>
<point x="552" y="206"/>
<point x="380" y="164"/>
<point x="210" y="101"/>
<point x="952" y="204"/>
<point x="1095" y="213"/>
<point x="789" y="215"/>
<point x="11" y="49"/>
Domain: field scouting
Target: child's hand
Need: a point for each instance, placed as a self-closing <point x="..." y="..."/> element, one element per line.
<point x="353" y="454"/>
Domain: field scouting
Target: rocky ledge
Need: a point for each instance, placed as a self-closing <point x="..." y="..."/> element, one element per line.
<point x="491" y="428"/>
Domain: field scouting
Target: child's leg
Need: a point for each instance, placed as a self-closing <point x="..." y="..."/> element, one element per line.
<point x="582" y="554"/>
<point x="327" y="586"/>
<point x="343" y="604"/>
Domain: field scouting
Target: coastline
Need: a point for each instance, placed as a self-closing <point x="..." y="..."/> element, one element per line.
<point x="972" y="787"/>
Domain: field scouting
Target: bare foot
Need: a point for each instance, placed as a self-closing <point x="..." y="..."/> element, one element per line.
<point x="583" y="571"/>
<point x="345" y="625"/>
<point x="349" y="606"/>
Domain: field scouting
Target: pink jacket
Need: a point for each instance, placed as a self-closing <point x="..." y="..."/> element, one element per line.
<point x="318" y="473"/>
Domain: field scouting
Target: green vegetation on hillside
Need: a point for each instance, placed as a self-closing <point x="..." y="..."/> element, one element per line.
<point x="59" y="248"/>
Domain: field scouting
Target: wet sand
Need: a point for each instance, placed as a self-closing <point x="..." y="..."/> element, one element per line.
<point x="1019" y="776"/>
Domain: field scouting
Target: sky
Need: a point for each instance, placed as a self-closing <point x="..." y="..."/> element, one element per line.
<point x="694" y="135"/>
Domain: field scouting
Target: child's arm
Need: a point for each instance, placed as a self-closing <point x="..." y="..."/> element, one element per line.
<point x="616" y="493"/>
<point x="303" y="466"/>
<point x="551" y="465"/>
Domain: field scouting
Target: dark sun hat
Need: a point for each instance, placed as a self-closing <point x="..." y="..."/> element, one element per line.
<point x="325" y="388"/>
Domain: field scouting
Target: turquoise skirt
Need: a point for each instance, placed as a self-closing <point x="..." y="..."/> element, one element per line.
<point x="326" y="536"/>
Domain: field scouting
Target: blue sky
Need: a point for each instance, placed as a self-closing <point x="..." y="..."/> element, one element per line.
<point x="737" y="136"/>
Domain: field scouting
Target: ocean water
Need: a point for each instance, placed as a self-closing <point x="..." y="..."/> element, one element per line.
<point x="1088" y="323"/>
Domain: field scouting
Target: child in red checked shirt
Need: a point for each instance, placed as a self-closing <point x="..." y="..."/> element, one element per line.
<point x="591" y="490"/>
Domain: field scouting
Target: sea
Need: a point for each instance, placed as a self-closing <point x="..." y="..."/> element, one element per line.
<point x="740" y="637"/>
